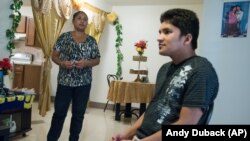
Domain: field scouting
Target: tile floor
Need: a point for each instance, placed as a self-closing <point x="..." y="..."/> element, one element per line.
<point x="97" y="126"/>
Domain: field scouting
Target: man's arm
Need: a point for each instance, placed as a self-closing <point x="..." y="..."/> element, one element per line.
<point x="129" y="133"/>
<point x="132" y="131"/>
<point x="188" y="116"/>
<point x="155" y="137"/>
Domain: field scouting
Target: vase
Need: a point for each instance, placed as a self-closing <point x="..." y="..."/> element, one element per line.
<point x="138" y="78"/>
<point x="8" y="81"/>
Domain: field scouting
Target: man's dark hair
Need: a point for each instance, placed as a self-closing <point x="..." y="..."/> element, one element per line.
<point x="186" y="20"/>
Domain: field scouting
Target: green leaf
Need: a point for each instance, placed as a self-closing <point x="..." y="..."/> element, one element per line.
<point x="118" y="44"/>
<point x="12" y="6"/>
<point x="12" y="16"/>
<point x="16" y="18"/>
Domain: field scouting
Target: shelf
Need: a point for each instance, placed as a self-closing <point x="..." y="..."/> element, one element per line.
<point x="144" y="72"/>
<point x="21" y="119"/>
<point x="23" y="133"/>
<point x="140" y="58"/>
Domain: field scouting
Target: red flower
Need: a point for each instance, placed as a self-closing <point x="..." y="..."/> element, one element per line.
<point x="140" y="46"/>
<point x="5" y="65"/>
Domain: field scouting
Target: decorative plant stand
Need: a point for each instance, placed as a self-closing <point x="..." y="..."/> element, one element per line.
<point x="139" y="72"/>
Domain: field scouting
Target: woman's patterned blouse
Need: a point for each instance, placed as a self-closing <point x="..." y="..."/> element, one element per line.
<point x="73" y="51"/>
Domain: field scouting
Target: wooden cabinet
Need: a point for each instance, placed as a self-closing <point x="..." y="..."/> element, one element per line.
<point x="27" y="26"/>
<point x="27" y="76"/>
<point x="31" y="38"/>
<point x="22" y="25"/>
<point x="18" y="76"/>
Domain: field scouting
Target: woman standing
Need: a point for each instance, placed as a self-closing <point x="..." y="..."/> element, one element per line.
<point x="76" y="53"/>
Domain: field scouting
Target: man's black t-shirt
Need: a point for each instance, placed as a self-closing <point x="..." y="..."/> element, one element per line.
<point x="192" y="83"/>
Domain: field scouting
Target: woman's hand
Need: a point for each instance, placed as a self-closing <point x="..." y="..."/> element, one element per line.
<point x="67" y="64"/>
<point x="81" y="64"/>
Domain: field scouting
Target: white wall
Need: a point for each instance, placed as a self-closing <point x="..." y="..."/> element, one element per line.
<point x="136" y="26"/>
<point x="230" y="57"/>
<point x="139" y="22"/>
<point x="4" y="16"/>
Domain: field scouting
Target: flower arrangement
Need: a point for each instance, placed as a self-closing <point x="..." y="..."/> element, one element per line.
<point x="112" y="17"/>
<point x="140" y="46"/>
<point x="6" y="66"/>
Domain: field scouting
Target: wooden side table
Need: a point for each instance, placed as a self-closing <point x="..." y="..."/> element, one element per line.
<point x="130" y="92"/>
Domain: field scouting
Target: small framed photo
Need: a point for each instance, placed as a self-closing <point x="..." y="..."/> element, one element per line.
<point x="235" y="19"/>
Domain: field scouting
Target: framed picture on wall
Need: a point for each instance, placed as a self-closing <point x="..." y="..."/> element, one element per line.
<point x="235" y="19"/>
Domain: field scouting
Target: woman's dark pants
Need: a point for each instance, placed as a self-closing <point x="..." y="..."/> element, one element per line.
<point x="64" y="95"/>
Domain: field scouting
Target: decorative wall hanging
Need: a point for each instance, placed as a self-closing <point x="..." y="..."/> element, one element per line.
<point x="235" y="19"/>
<point x="16" y="18"/>
<point x="113" y="18"/>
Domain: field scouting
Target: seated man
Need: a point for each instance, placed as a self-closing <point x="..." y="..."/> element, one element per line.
<point x="184" y="87"/>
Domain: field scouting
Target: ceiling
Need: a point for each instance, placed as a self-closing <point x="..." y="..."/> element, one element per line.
<point x="142" y="2"/>
<point x="151" y="2"/>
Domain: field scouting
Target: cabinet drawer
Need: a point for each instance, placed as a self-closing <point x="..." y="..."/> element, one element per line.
<point x="27" y="76"/>
<point x="18" y="67"/>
